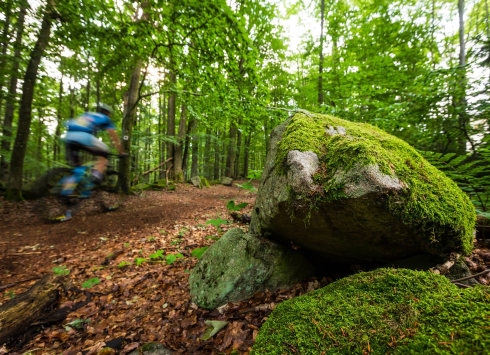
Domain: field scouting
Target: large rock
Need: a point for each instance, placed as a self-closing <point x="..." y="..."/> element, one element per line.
<point x="386" y="311"/>
<point x="350" y="192"/>
<point x="238" y="265"/>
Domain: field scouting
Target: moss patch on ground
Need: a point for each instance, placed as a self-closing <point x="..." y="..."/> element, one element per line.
<point x="386" y="311"/>
<point x="432" y="203"/>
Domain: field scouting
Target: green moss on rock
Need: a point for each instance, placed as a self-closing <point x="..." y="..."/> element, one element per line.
<point x="386" y="311"/>
<point x="431" y="203"/>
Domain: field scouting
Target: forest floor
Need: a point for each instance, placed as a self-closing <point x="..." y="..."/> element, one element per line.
<point x="133" y="303"/>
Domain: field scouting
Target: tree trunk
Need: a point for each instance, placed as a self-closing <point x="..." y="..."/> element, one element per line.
<point x="87" y="103"/>
<point x="5" y="43"/>
<point x="39" y="135"/>
<point x="161" y="130"/>
<point x="72" y="100"/>
<point x="238" y="149"/>
<point x="195" y="149"/>
<point x="178" y="149"/>
<point x="57" y="138"/>
<point x="320" y="68"/>
<point x="230" y="160"/>
<point x="207" y="157"/>
<point x="127" y="127"/>
<point x="486" y="19"/>
<point x="190" y="128"/>
<point x="14" y="189"/>
<point x="12" y="95"/>
<point x="98" y="85"/>
<point x="247" y="153"/>
<point x="171" y="121"/>
<point x="17" y="315"/>
<point x="216" y="156"/>
<point x="461" y="101"/>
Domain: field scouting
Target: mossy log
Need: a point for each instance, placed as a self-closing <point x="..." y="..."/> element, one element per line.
<point x="17" y="315"/>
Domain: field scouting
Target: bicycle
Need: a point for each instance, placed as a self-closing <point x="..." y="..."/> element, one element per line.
<point x="61" y="204"/>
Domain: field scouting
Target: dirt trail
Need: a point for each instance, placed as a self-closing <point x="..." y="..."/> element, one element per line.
<point x="21" y="227"/>
<point x="138" y="297"/>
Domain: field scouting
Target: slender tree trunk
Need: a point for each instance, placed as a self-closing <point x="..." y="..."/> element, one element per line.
<point x="178" y="149"/>
<point x="247" y="153"/>
<point x="216" y="155"/>
<point x="190" y="128"/>
<point x="87" y="103"/>
<point x="238" y="150"/>
<point x="461" y="101"/>
<point x="195" y="149"/>
<point x="230" y="160"/>
<point x="127" y="127"/>
<point x="486" y="19"/>
<point x="12" y="94"/>
<point x="5" y="43"/>
<point x="97" y="84"/>
<point x="72" y="99"/>
<point x="57" y="146"/>
<point x="207" y="157"/>
<point x="14" y="189"/>
<point x="40" y="135"/>
<point x="320" y="68"/>
<point x="433" y="43"/>
<point x="171" y="121"/>
<point x="161" y="142"/>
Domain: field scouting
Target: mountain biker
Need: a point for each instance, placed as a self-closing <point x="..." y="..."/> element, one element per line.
<point x="81" y="136"/>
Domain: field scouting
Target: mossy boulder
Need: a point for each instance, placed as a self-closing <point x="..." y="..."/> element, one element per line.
<point x="196" y="181"/>
<point x="386" y="311"/>
<point x="238" y="265"/>
<point x="226" y="181"/>
<point x="351" y="192"/>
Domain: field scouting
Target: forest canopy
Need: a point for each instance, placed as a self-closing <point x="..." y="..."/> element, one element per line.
<point x="204" y="81"/>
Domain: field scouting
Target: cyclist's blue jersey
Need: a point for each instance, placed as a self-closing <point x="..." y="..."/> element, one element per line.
<point x="90" y="122"/>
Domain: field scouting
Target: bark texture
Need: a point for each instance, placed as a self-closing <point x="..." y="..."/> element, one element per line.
<point x="17" y="315"/>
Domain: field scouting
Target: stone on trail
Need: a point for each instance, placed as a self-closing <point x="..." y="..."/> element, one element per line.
<point x="152" y="349"/>
<point x="196" y="181"/>
<point x="350" y="192"/>
<point x="238" y="265"/>
<point x="226" y="181"/>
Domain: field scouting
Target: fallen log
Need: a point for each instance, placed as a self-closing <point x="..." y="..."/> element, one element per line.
<point x="444" y="268"/>
<point x="18" y="314"/>
<point x="152" y="170"/>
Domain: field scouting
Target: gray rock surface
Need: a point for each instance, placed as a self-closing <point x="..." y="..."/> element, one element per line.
<point x="350" y="230"/>
<point x="226" y="181"/>
<point x="152" y="349"/>
<point x="238" y="265"/>
<point x="196" y="181"/>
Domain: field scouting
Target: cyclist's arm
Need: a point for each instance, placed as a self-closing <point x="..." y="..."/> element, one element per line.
<point x="115" y="139"/>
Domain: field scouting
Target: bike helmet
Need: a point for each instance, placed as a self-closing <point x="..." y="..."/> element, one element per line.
<point x="104" y="107"/>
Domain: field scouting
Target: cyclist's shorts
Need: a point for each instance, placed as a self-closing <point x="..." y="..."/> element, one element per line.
<point x="76" y="141"/>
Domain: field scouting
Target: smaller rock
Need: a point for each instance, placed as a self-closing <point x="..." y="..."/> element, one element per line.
<point x="196" y="181"/>
<point x="239" y="264"/>
<point x="152" y="349"/>
<point x="226" y="181"/>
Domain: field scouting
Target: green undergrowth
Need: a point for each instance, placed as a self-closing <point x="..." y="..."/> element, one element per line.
<point x="432" y="204"/>
<point x="386" y="311"/>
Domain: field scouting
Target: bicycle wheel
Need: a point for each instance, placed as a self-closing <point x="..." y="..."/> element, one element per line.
<point x="54" y="208"/>
<point x="110" y="195"/>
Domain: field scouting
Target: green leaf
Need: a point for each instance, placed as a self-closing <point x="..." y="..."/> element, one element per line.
<point x="61" y="270"/>
<point x="91" y="283"/>
<point x="139" y="261"/>
<point x="157" y="255"/>
<point x="171" y="259"/>
<point x="214" y="326"/>
<point x="123" y="264"/>
<point x="217" y="222"/>
<point x="198" y="252"/>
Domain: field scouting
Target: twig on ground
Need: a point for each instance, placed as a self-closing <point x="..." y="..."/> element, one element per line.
<point x="444" y="268"/>
<point x="472" y="276"/>
<point x="152" y="170"/>
<point x="291" y="347"/>
<point x="462" y="285"/>
<point x="19" y="282"/>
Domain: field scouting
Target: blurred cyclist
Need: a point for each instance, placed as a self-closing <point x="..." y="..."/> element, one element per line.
<point x="81" y="136"/>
